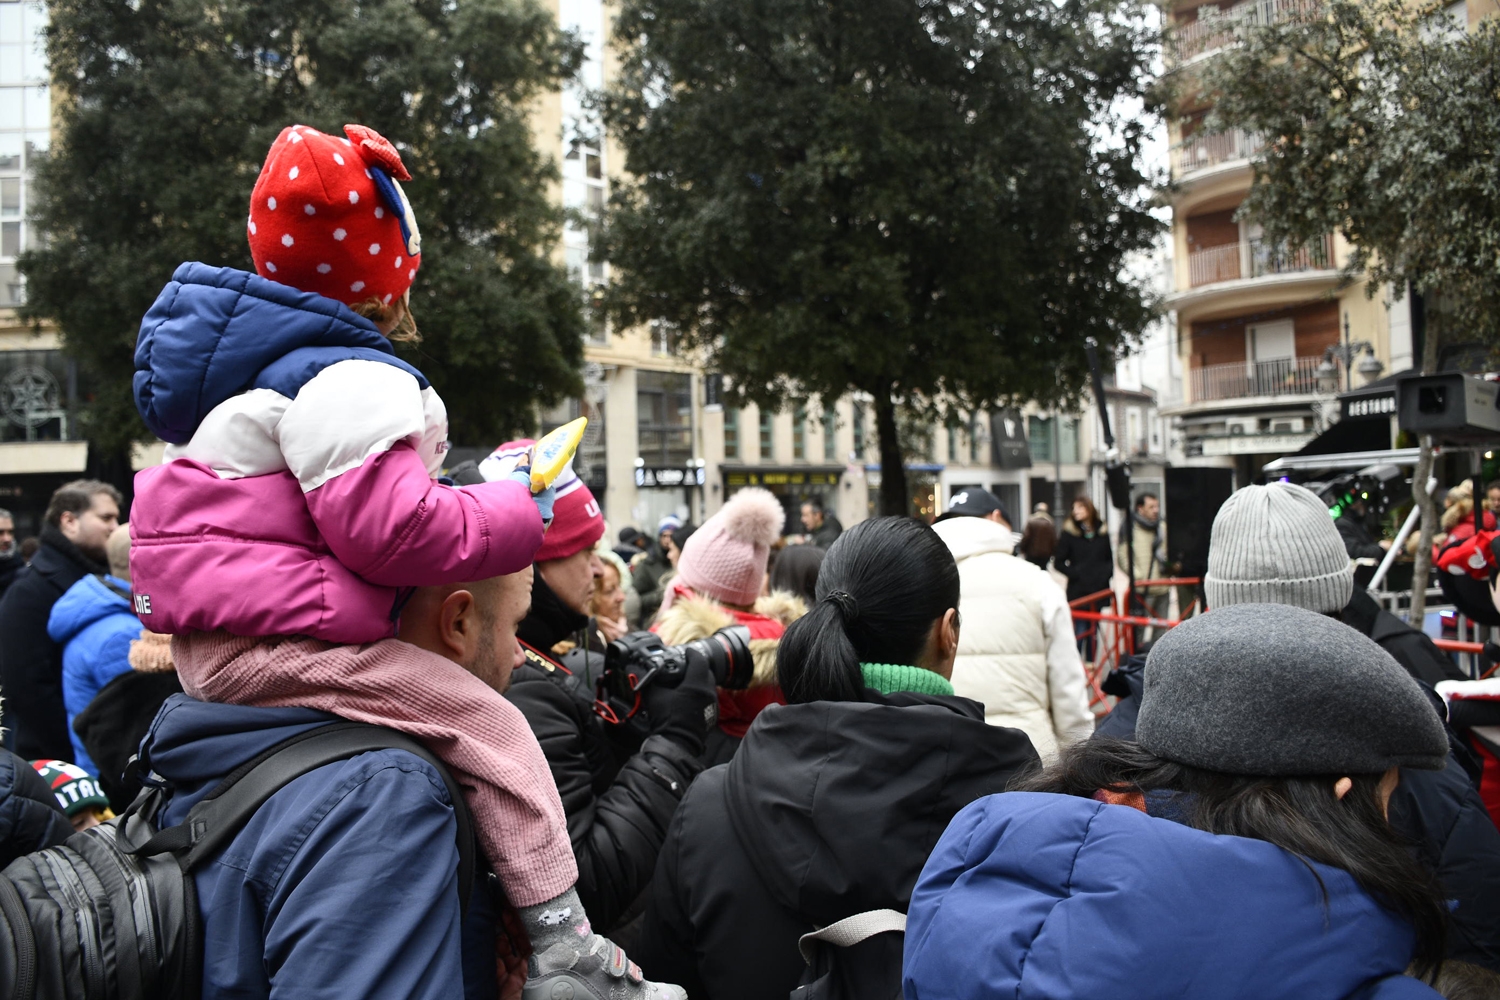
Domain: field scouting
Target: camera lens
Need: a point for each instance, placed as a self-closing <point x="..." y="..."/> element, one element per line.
<point x="728" y="654"/>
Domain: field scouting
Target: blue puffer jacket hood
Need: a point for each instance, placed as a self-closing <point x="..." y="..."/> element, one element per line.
<point x="213" y="331"/>
<point x="1052" y="897"/>
<point x="87" y="601"/>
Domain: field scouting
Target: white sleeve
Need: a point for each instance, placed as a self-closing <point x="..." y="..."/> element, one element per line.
<point x="345" y="414"/>
<point x="1067" y="686"/>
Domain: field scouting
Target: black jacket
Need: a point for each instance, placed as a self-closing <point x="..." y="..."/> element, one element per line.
<point x="647" y="577"/>
<point x="1438" y="810"/>
<point x="113" y="724"/>
<point x="827" y="810"/>
<point x="30" y="662"/>
<point x="1088" y="563"/>
<point x="9" y="567"/>
<point x="30" y="818"/>
<point x="619" y="790"/>
<point x="1357" y="540"/>
<point x="826" y="533"/>
<point x="1411" y="647"/>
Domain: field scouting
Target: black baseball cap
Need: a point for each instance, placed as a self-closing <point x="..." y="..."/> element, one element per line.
<point x="974" y="502"/>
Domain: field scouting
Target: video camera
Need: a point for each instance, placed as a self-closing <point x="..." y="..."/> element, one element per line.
<point x="638" y="659"/>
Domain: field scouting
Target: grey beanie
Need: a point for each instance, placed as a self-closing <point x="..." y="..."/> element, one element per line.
<point x="1277" y="691"/>
<point x="1277" y="544"/>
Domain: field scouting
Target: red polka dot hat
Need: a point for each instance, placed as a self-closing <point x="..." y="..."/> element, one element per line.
<point x="328" y="216"/>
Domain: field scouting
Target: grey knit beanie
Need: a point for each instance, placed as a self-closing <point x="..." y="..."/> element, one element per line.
<point x="1277" y="691"/>
<point x="1277" y="544"/>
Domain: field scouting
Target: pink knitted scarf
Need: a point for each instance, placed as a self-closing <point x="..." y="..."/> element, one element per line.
<point x="484" y="739"/>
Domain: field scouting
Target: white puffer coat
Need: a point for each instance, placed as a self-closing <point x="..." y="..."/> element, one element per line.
<point x="1016" y="651"/>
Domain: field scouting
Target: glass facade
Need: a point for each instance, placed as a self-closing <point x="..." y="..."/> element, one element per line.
<point x="830" y="434"/>
<point x="25" y="130"/>
<point x="664" y="418"/>
<point x="799" y="434"/>
<point x="767" y="451"/>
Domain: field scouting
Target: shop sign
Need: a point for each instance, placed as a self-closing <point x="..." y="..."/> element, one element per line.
<point x="779" y="477"/>
<point x="651" y="476"/>
<point x="1380" y="405"/>
<point x="1008" y="448"/>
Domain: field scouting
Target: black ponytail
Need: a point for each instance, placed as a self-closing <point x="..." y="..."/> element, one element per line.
<point x="881" y="587"/>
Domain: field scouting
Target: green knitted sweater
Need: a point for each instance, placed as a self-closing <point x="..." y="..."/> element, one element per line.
<point x="888" y="678"/>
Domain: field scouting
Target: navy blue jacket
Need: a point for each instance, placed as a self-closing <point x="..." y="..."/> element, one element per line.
<point x="1052" y="897"/>
<point x="343" y="884"/>
<point x="1439" y="811"/>
<point x="30" y="818"/>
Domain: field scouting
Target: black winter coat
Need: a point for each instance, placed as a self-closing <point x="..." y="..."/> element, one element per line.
<point x="1088" y="563"/>
<point x="827" y="810"/>
<point x="114" y="723"/>
<point x="619" y="787"/>
<point x="30" y="818"/>
<point x="1412" y="648"/>
<point x="9" y="567"/>
<point x="1438" y="810"/>
<point x="30" y="662"/>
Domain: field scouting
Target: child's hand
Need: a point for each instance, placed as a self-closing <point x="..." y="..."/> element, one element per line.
<point x="544" y="501"/>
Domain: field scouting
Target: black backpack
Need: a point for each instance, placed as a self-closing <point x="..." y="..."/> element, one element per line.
<point x="857" y="958"/>
<point x="112" y="913"/>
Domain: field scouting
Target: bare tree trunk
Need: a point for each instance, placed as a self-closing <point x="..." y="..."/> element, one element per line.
<point x="893" y="498"/>
<point x="1421" y="570"/>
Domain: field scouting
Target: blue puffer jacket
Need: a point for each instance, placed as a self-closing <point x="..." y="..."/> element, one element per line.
<point x="94" y="624"/>
<point x="343" y="884"/>
<point x="1052" y="897"/>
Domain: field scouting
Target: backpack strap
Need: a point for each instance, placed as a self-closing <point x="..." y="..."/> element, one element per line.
<point x="214" y="820"/>
<point x="852" y="930"/>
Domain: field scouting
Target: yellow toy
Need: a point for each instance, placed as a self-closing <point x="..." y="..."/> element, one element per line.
<point x="554" y="451"/>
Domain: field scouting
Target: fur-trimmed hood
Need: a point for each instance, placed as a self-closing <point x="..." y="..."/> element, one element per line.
<point x="699" y="617"/>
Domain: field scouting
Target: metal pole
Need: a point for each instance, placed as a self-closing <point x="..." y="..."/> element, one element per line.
<point x="1398" y="544"/>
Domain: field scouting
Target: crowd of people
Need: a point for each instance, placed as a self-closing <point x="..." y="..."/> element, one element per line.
<point x="905" y="791"/>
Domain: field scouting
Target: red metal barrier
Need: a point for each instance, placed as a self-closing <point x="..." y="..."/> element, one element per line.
<point x="1110" y="633"/>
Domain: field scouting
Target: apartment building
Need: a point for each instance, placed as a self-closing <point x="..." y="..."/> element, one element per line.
<point x="1266" y="338"/>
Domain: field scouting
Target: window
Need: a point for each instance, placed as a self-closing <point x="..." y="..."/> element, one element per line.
<point x="799" y="434"/>
<point x="590" y="463"/>
<point x="731" y="433"/>
<point x="974" y="439"/>
<point x="584" y="193"/>
<point x="1039" y="437"/>
<point x="664" y="417"/>
<point x="830" y="433"/>
<point x="25" y="130"/>
<point x="859" y="433"/>
<point x="765" y="436"/>
<point x="952" y="439"/>
<point x="38" y="390"/>
<point x="663" y="338"/>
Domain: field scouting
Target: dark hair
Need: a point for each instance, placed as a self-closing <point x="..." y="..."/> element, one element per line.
<point x="816" y="503"/>
<point x="1140" y="501"/>
<point x="1299" y="815"/>
<point x="77" y="497"/>
<point x="881" y="587"/>
<point x="796" y="571"/>
<point x="1039" y="539"/>
<point x="1088" y="505"/>
<point x="681" y="534"/>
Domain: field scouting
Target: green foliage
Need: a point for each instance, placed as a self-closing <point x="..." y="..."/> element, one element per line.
<point x="1384" y="125"/>
<point x="927" y="202"/>
<point x="170" y="106"/>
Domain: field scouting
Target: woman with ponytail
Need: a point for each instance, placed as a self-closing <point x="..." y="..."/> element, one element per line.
<point x="832" y="803"/>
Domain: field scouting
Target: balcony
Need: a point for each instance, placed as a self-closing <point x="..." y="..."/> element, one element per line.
<point x="1256" y="259"/>
<point x="1203" y="152"/>
<point x="1189" y="41"/>
<point x="1244" y="379"/>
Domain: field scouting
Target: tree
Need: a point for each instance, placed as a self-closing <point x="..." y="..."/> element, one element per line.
<point x="169" y="107"/>
<point x="1383" y="124"/>
<point x="927" y="202"/>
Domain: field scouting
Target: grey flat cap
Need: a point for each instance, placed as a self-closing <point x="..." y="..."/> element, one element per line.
<point x="1273" y="690"/>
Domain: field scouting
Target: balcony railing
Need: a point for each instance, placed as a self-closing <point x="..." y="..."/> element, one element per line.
<point x="1216" y="31"/>
<point x="1202" y="152"/>
<point x="1256" y="259"/>
<point x="1282" y="377"/>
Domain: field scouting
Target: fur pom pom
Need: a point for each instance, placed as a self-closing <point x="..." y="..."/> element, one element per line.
<point x="753" y="515"/>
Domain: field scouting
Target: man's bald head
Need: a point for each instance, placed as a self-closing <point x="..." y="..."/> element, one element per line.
<point x="472" y="624"/>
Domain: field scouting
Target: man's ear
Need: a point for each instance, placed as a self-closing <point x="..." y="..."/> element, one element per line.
<point x="457" y="624"/>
